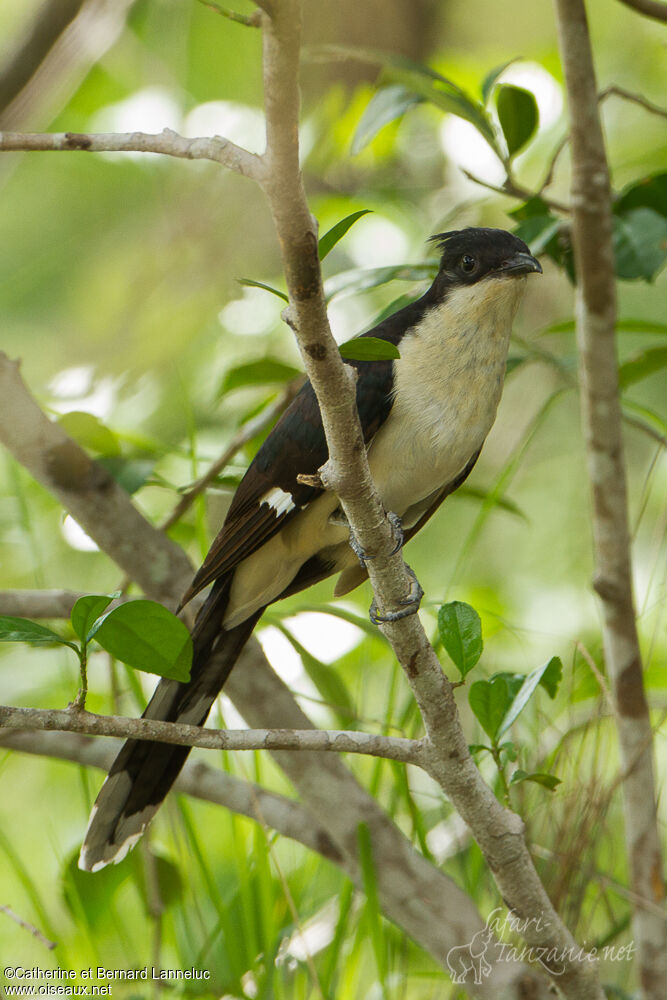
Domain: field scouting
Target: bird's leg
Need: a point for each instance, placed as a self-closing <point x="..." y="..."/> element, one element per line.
<point x="410" y="604"/>
<point x="338" y="517"/>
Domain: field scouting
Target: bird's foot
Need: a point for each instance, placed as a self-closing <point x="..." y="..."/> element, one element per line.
<point x="410" y="604"/>
<point x="397" y="529"/>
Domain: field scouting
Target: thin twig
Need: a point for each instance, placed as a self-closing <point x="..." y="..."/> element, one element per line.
<point x="628" y="95"/>
<point x="36" y="933"/>
<point x="242" y="436"/>
<point x="515" y="191"/>
<point x="252" y="21"/>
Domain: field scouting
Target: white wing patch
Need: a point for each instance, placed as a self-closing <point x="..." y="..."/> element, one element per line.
<point x="278" y="501"/>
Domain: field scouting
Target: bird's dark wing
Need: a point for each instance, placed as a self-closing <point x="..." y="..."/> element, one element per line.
<point x="269" y="494"/>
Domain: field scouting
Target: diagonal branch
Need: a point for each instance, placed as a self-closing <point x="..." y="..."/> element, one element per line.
<point x="498" y="832"/>
<point x="88" y="492"/>
<point x="601" y="418"/>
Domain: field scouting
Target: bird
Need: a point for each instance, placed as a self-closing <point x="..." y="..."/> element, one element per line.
<point x="424" y="415"/>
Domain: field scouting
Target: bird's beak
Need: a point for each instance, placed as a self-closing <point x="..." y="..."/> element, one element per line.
<point x="520" y="263"/>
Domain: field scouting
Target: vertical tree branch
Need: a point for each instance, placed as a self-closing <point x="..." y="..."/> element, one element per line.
<point x="601" y="415"/>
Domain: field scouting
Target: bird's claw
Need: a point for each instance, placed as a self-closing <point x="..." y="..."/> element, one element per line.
<point x="410" y="604"/>
<point x="397" y="529"/>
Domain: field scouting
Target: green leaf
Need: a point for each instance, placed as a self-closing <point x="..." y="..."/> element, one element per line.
<point x="441" y="92"/>
<point x="475" y="748"/>
<point x="24" y="630"/>
<point x="460" y="630"/>
<point x="146" y="636"/>
<point x="336" y="233"/>
<point x="249" y="283"/>
<point x="264" y="371"/>
<point x="549" y="781"/>
<point x="518" y="116"/>
<point x="489" y="701"/>
<point x="89" y="431"/>
<point x="370" y="885"/>
<point x="130" y="473"/>
<point x="527" y="689"/>
<point x="368" y="349"/>
<point x="358" y="280"/>
<point x="477" y="493"/>
<point x="326" y="679"/>
<point x="649" y="421"/>
<point x="89" y="896"/>
<point x="86" y="611"/>
<point x="640" y="244"/>
<point x="624" y="325"/>
<point x="384" y="106"/>
<point x="639" y="367"/>
<point x="420" y="80"/>
<point x="649" y="192"/>
<point x="492" y="78"/>
<point x="552" y="676"/>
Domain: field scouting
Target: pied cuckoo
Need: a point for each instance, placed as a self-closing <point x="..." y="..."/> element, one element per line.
<point x="424" y="418"/>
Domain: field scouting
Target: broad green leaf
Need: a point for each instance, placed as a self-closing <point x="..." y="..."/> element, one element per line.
<point x="264" y="371"/>
<point x="368" y="349"/>
<point x="130" y="473"/>
<point x="549" y="781"/>
<point x="475" y="748"/>
<point x="649" y="192"/>
<point x="359" y="280"/>
<point x="169" y="882"/>
<point x="146" y="636"/>
<point x="24" y="630"/>
<point x="492" y="78"/>
<point x="89" y="896"/>
<point x="249" y="283"/>
<point x="552" y="676"/>
<point x="639" y="367"/>
<point x="384" y="106"/>
<point x="640" y="244"/>
<point x="489" y="701"/>
<point x="460" y="631"/>
<point x="86" y="611"/>
<point x="89" y="431"/>
<point x="530" y="683"/>
<point x="336" y="233"/>
<point x="420" y="80"/>
<point x="518" y="116"/>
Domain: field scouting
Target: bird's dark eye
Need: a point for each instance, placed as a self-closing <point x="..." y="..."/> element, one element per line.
<point x="468" y="263"/>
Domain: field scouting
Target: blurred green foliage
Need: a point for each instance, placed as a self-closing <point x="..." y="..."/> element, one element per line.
<point x="119" y="289"/>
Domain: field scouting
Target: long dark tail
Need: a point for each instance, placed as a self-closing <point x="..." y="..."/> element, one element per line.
<point x="143" y="772"/>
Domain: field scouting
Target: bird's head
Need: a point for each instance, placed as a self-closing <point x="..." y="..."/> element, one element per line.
<point x="475" y="255"/>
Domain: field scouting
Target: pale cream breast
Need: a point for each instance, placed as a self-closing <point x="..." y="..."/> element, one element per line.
<point x="448" y="384"/>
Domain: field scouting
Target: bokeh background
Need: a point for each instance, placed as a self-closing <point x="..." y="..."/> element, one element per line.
<point x="119" y="290"/>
